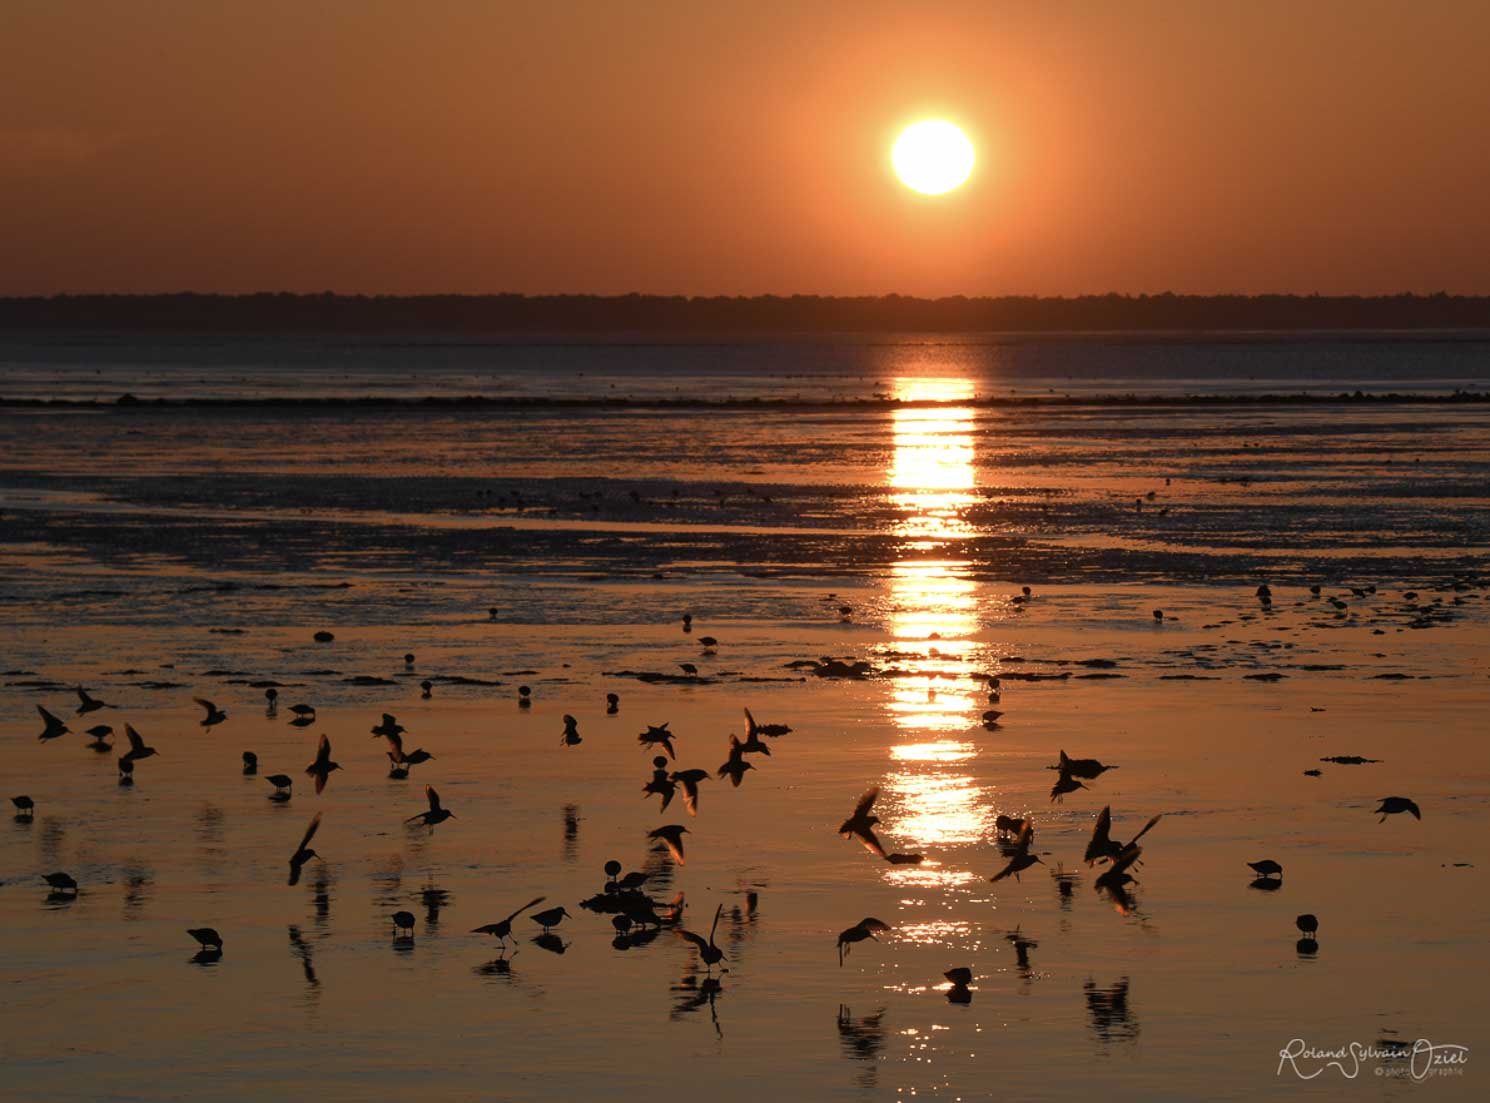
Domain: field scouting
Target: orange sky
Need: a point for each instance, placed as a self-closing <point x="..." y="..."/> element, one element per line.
<point x="705" y="148"/>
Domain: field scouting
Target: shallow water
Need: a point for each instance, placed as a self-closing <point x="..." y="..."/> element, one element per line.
<point x="154" y="555"/>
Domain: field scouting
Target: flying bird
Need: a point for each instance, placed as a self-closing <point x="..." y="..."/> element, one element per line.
<point x="502" y="928"/>
<point x="87" y="704"/>
<point x="865" y="928"/>
<point x="773" y="730"/>
<point x="860" y="825"/>
<point x="1021" y="858"/>
<point x="321" y="768"/>
<point x="672" y="835"/>
<point x="657" y="735"/>
<point x="735" y="767"/>
<point x="710" y="954"/>
<point x="1102" y="844"/>
<point x="1085" y="768"/>
<point x="54" y="725"/>
<point x="137" y="748"/>
<point x="303" y="853"/>
<point x="661" y="784"/>
<point x="689" y="780"/>
<point x="436" y="814"/>
<point x="1390" y="806"/>
<point x="389" y="726"/>
<point x="214" y="715"/>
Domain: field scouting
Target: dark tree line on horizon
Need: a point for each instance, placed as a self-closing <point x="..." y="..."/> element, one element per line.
<point x="559" y="315"/>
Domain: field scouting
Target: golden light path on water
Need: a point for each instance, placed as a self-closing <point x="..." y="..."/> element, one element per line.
<point x="935" y="801"/>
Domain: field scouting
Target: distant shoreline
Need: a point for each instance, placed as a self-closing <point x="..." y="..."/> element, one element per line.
<point x="638" y="318"/>
<point x="129" y="402"/>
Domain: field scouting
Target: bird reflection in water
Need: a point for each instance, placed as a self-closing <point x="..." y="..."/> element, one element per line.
<point x="862" y="1039"/>
<point x="936" y="801"/>
<point x="137" y="886"/>
<point x="570" y="850"/>
<point x="551" y="941"/>
<point x="433" y="900"/>
<point x="301" y="950"/>
<point x="320" y="895"/>
<point x="1111" y="1020"/>
<point x="694" y="993"/>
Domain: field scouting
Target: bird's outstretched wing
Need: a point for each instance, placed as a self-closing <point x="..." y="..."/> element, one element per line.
<point x="396" y="746"/>
<point x="434" y="798"/>
<point x="1026" y="836"/>
<point x="1147" y="827"/>
<point x="1101" y="836"/>
<point x="135" y="742"/>
<point x="206" y="704"/>
<point x="873" y="925"/>
<point x="866" y="802"/>
<point x="750" y="725"/>
<point x="870" y="840"/>
<point x="717" y="913"/>
<point x="689" y="936"/>
<point x="530" y="904"/>
<point x="323" y="751"/>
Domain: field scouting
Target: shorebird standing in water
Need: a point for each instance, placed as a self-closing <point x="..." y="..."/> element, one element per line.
<point x="710" y="954"/>
<point x="403" y="922"/>
<point x="250" y="764"/>
<point x="503" y="927"/>
<point x="271" y="701"/>
<point x="281" y="783"/>
<point x="214" y="715"/>
<point x="1390" y="806"/>
<point x="87" y="704"/>
<point x="207" y="937"/>
<point x="865" y="928"/>
<point x="100" y="741"/>
<point x="322" y="767"/>
<point x="54" y="725"/>
<point x="1307" y="924"/>
<point x="688" y="669"/>
<point x="25" y="807"/>
<point x="1021" y="859"/>
<point x="61" y="882"/>
<point x="436" y="814"/>
<point x="671" y="835"/>
<point x="550" y="918"/>
<point x="709" y="644"/>
<point x="303" y="853"/>
<point x="1267" y="868"/>
<point x="612" y="704"/>
<point x="571" y="736"/>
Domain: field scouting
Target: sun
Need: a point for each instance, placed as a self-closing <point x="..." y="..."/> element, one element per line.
<point x="932" y="156"/>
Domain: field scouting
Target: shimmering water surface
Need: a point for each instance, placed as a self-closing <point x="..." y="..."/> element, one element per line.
<point x="153" y="554"/>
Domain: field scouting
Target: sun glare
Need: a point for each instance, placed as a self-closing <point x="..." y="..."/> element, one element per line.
<point x="932" y="157"/>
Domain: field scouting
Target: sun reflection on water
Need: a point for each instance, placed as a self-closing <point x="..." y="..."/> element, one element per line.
<point x="933" y="622"/>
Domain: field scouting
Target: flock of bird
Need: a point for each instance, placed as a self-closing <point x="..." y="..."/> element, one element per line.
<point x="623" y="895"/>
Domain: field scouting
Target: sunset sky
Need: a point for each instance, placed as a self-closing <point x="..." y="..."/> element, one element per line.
<point x="742" y="148"/>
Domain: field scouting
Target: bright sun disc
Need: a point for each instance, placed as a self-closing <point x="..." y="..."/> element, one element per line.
<point x="932" y="157"/>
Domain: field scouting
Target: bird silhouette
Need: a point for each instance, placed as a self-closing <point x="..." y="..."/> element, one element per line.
<point x="689" y="780"/>
<point x="322" y="767"/>
<point x="207" y="937"/>
<point x="281" y="783"/>
<point x="612" y="704"/>
<point x="571" y="736"/>
<point x="101" y="734"/>
<point x="303" y="852"/>
<point x="1390" y="806"/>
<point x="1102" y="844"/>
<point x="672" y="835"/>
<point x="250" y="764"/>
<point x="403" y="921"/>
<point x="661" y="784"/>
<point x="503" y="927"/>
<point x="25" y="807"/>
<point x="658" y="736"/>
<point x="688" y="669"/>
<point x="735" y="767"/>
<point x="709" y="644"/>
<point x="61" y="882"/>
<point x="1307" y="924"/>
<point x="708" y="952"/>
<point x="1087" y="769"/>
<point x="860" y="825"/>
<point x="54" y="725"/>
<point x="435" y="815"/>
<point x="1267" y="868"/>
<point x="753" y="729"/>
<point x="865" y="928"/>
<point x="137" y="748"/>
<point x="214" y="715"/>
<point x="550" y="918"/>
<point x="388" y="726"/>
<point x="87" y="704"/>
<point x="1021" y="859"/>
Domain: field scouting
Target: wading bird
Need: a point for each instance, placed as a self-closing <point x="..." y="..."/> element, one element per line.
<point x="101" y="734"/>
<point x="502" y="928"/>
<point x="710" y="954"/>
<point x="61" y="882"/>
<point x="1267" y="868"/>
<point x="207" y="937"/>
<point x="550" y="918"/>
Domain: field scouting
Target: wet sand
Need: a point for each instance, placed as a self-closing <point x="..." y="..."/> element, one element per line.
<point x="157" y="557"/>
